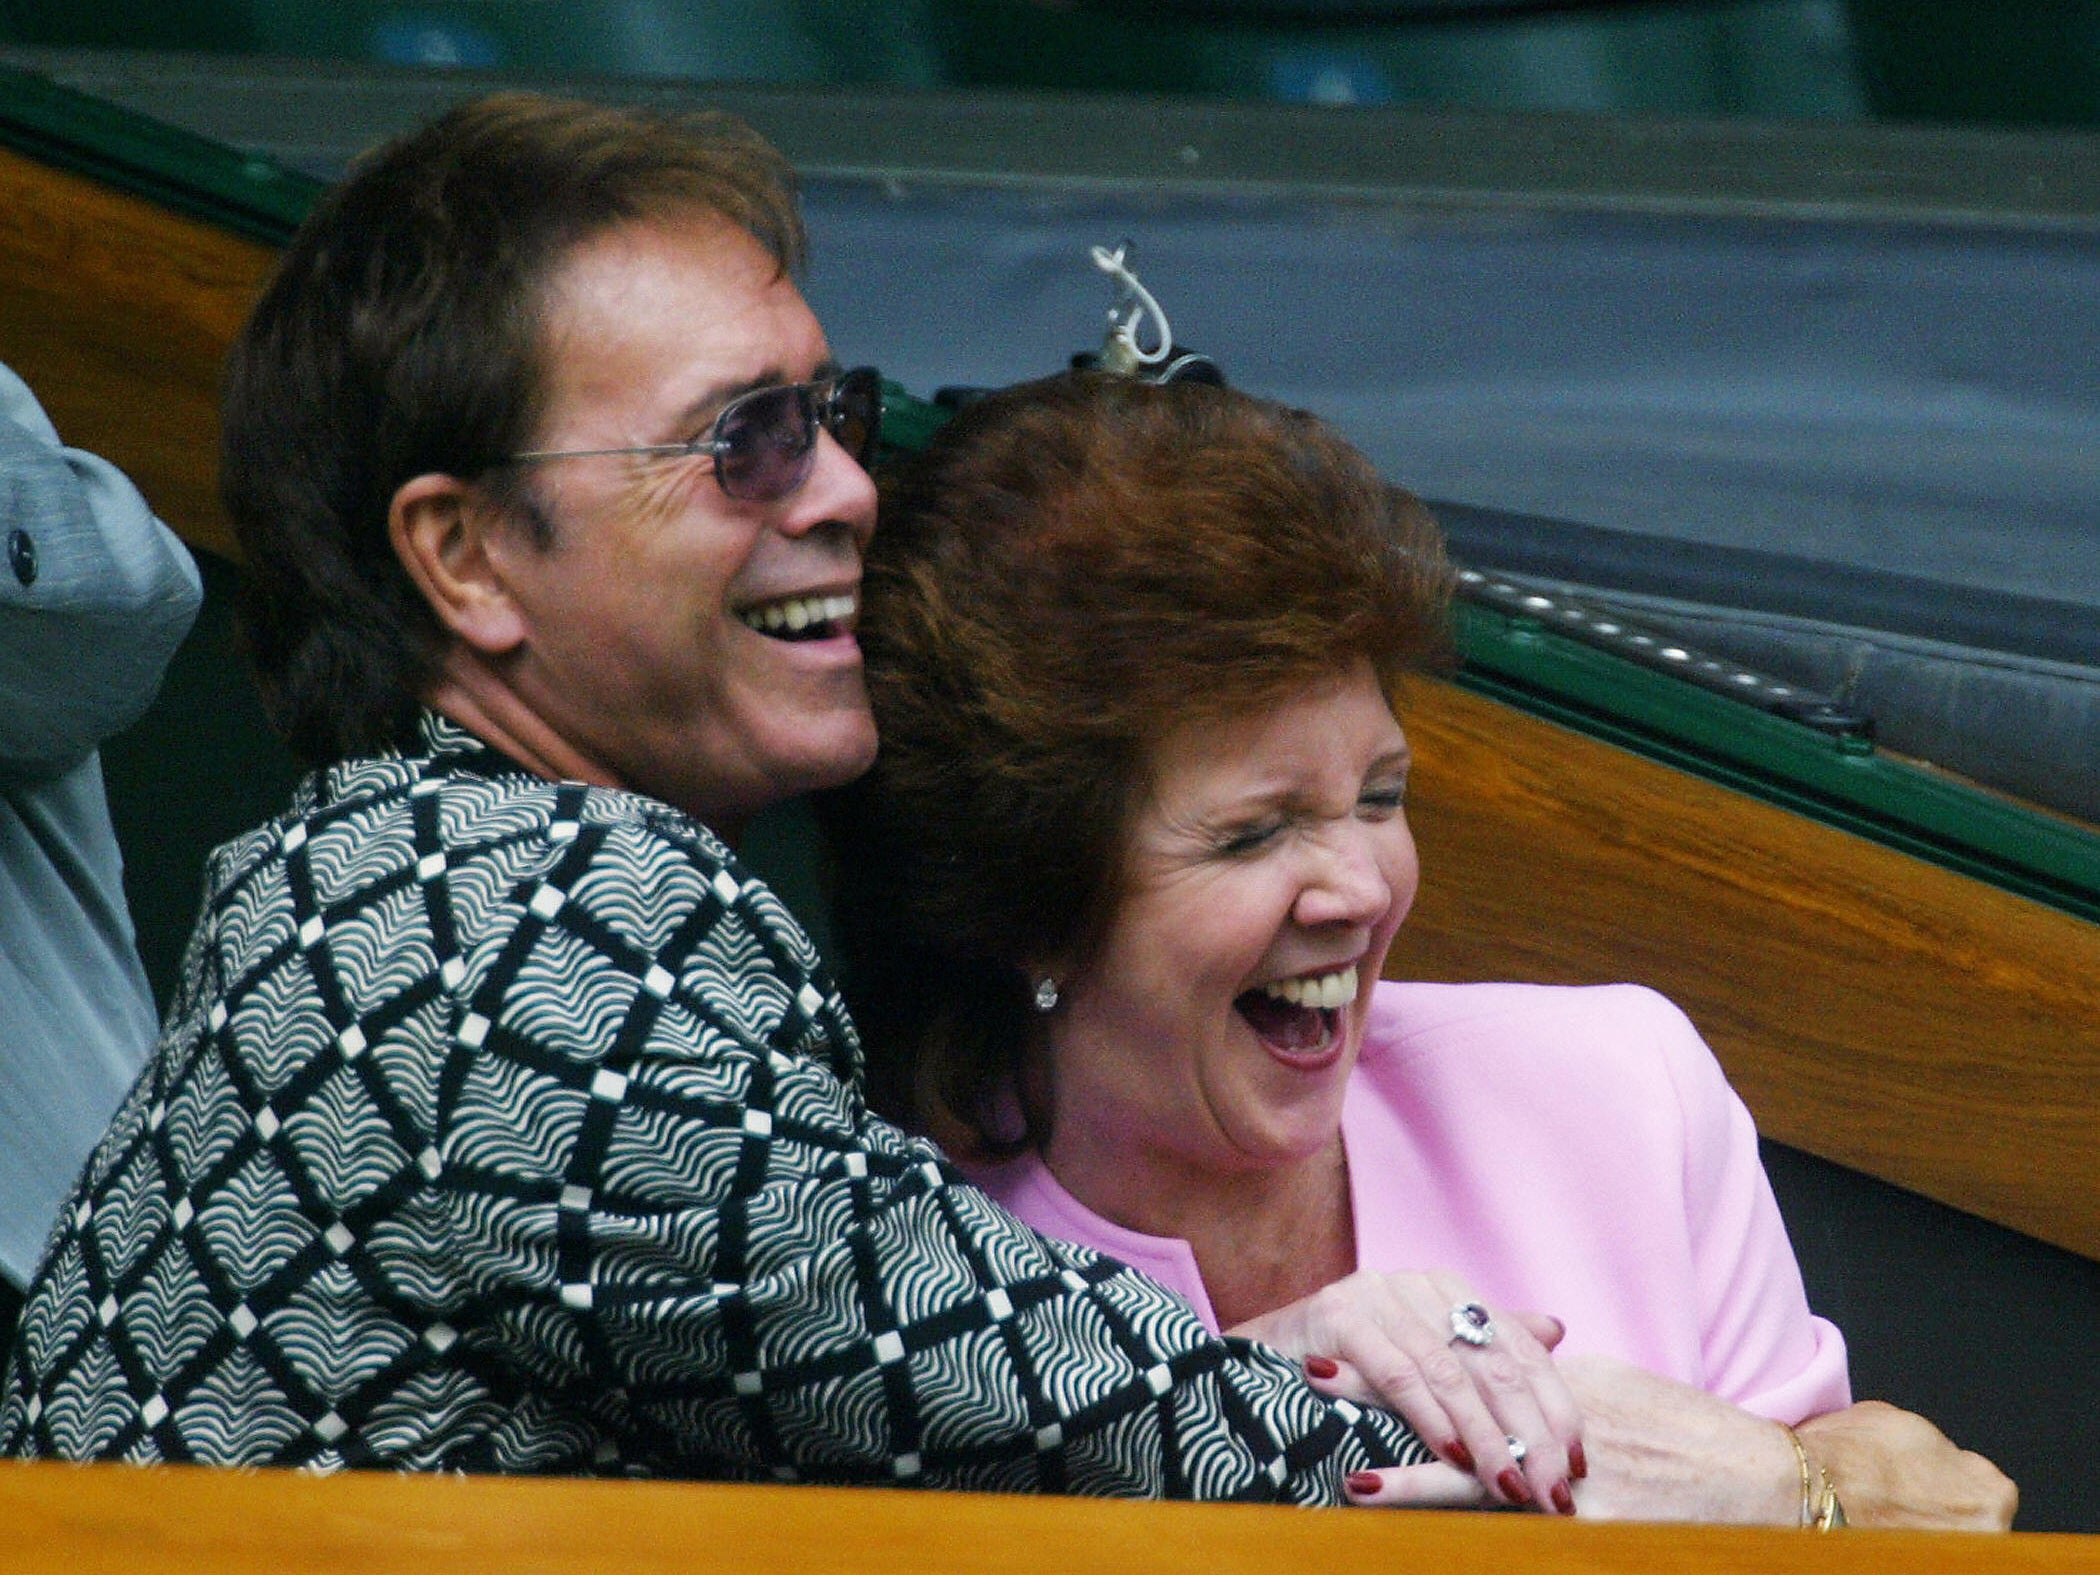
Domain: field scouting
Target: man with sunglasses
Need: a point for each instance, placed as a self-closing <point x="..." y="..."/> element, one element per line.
<point x="502" y="1120"/>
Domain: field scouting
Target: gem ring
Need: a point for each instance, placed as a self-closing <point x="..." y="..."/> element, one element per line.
<point x="1470" y="1322"/>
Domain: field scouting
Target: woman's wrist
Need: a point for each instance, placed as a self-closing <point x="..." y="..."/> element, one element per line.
<point x="1820" y="1509"/>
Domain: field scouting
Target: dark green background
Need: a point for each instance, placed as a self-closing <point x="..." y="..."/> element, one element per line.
<point x="2020" y="62"/>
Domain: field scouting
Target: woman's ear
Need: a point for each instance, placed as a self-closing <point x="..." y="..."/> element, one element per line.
<point x="441" y="529"/>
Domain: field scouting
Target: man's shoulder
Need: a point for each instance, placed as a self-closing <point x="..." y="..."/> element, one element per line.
<point x="389" y="818"/>
<point x="395" y="875"/>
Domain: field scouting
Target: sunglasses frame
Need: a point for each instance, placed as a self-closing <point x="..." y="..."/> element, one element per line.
<point x="817" y="402"/>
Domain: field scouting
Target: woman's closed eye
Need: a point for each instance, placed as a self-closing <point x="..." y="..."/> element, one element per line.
<point x="1383" y="799"/>
<point x="1250" y="837"/>
<point x="1378" y="801"/>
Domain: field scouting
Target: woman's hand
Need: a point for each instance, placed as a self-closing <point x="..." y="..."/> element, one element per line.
<point x="1894" y="1468"/>
<point x="1658" y="1450"/>
<point x="1661" y="1450"/>
<point x="1387" y="1340"/>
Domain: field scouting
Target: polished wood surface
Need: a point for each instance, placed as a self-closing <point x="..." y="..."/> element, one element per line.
<point x="1871" y="1008"/>
<point x="190" y="1521"/>
<point x="118" y="314"/>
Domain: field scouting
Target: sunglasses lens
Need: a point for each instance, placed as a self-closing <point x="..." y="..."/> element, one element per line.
<point x="766" y="441"/>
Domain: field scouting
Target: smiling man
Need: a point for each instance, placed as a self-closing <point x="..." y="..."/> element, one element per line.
<point x="502" y="1121"/>
<point x="671" y="626"/>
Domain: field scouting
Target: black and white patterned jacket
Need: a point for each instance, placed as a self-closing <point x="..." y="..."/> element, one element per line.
<point x="507" y="1125"/>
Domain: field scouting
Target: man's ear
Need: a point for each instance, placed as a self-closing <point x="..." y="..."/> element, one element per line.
<point x="442" y="530"/>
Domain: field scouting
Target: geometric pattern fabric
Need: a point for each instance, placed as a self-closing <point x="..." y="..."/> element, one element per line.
<point x="507" y="1125"/>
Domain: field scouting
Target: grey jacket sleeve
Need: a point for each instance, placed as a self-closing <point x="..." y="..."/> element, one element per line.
<point x="95" y="595"/>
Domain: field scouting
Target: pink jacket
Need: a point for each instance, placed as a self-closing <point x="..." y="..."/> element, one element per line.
<point x="1576" y="1152"/>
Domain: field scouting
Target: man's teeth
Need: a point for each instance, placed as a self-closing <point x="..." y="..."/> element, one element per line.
<point x="1326" y="991"/>
<point x="796" y="613"/>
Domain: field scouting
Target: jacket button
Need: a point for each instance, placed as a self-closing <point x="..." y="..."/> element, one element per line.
<point x="21" y="555"/>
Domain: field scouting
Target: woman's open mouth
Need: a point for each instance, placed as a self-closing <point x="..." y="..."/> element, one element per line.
<point x="1300" y="1020"/>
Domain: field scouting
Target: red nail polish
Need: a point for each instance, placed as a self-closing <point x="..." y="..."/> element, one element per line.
<point x="1563" y="1498"/>
<point x="1363" y="1483"/>
<point x="1578" y="1462"/>
<point x="1321" y="1367"/>
<point x="1514" y="1487"/>
<point x="1460" y="1456"/>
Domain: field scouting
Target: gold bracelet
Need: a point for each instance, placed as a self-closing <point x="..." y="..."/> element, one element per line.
<point x="1820" y="1508"/>
<point x="1809" y="1476"/>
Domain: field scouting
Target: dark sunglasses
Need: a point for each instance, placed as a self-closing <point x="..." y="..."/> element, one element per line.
<point x="764" y="443"/>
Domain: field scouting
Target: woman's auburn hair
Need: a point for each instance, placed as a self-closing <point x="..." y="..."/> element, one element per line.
<point x="1069" y="572"/>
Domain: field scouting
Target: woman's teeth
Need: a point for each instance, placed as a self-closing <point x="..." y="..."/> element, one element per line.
<point x="1325" y="991"/>
<point x="798" y="614"/>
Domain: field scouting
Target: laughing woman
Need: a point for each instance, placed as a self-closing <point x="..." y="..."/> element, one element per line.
<point x="1121" y="887"/>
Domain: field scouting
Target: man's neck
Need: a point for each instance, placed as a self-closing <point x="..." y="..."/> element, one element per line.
<point x="489" y="709"/>
<point x="492" y="713"/>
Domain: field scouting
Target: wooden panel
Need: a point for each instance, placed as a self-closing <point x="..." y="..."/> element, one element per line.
<point x="1871" y="1008"/>
<point x="187" y="1521"/>
<point x="118" y="314"/>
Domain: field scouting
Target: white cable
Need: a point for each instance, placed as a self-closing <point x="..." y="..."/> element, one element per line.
<point x="1123" y="330"/>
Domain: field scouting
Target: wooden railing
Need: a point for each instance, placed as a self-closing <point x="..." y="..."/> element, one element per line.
<point x="190" y="1521"/>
